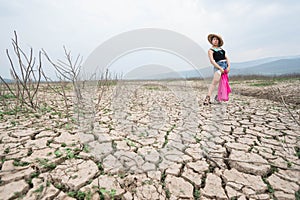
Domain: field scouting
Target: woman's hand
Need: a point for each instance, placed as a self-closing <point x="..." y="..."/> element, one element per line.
<point x="228" y="69"/>
<point x="222" y="70"/>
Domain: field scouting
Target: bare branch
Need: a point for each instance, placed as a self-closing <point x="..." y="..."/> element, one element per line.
<point x="283" y="102"/>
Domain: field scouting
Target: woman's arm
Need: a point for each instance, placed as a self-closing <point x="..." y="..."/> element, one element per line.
<point x="228" y="63"/>
<point x="212" y="61"/>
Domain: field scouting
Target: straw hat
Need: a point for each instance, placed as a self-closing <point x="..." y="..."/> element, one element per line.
<point x="211" y="36"/>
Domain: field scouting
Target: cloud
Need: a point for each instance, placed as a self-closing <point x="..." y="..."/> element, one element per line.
<point x="251" y="29"/>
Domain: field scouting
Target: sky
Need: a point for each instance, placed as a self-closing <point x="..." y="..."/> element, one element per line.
<point x="251" y="29"/>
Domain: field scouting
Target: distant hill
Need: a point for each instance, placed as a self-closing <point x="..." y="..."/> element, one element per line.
<point x="266" y="66"/>
<point x="240" y="65"/>
<point x="278" y="67"/>
<point x="6" y="80"/>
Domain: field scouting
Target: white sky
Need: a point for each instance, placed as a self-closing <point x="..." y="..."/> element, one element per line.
<point x="251" y="29"/>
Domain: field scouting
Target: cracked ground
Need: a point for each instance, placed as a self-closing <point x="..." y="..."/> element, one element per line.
<point x="152" y="140"/>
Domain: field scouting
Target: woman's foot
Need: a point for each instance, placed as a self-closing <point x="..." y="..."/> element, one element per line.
<point x="207" y="100"/>
<point x="216" y="99"/>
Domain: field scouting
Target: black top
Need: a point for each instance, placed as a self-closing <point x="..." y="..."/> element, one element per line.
<point x="218" y="54"/>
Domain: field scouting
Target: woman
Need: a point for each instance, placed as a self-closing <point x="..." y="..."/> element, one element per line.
<point x="219" y="60"/>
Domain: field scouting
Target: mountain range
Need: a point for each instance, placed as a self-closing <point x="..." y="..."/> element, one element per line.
<point x="273" y="66"/>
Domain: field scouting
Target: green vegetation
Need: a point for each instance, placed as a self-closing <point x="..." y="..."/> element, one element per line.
<point x="18" y="163"/>
<point x="18" y="195"/>
<point x="130" y="143"/>
<point x="270" y="188"/>
<point x="100" y="167"/>
<point x="7" y="150"/>
<point x="7" y="96"/>
<point x="288" y="77"/>
<point x="45" y="163"/>
<point x="297" y="149"/>
<point x="263" y="84"/>
<point x="49" y="142"/>
<point x="45" y="108"/>
<point x="59" y="186"/>
<point x="39" y="190"/>
<point x="152" y="87"/>
<point x="289" y="164"/>
<point x="155" y="87"/>
<point x="198" y="140"/>
<point x="77" y="194"/>
<point x="86" y="148"/>
<point x="104" y="191"/>
<point x="29" y="152"/>
<point x="273" y="169"/>
<point x="297" y="195"/>
<point x="58" y="153"/>
<point x="70" y="153"/>
<point x="196" y="194"/>
<point x="32" y="175"/>
<point x="167" y="134"/>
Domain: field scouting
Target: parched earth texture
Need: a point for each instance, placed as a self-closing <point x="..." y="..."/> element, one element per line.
<point x="151" y="140"/>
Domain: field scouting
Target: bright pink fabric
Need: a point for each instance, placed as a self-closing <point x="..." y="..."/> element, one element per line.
<point x="224" y="88"/>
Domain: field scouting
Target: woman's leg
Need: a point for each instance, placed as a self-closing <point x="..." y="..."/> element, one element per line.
<point x="214" y="82"/>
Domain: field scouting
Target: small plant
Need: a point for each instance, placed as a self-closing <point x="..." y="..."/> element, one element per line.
<point x="100" y="167"/>
<point x="250" y="148"/>
<point x="58" y="153"/>
<point x="77" y="194"/>
<point x="7" y="96"/>
<point x="49" y="142"/>
<point x="68" y="126"/>
<point x="130" y="143"/>
<point x="59" y="186"/>
<point x="198" y="140"/>
<point x="114" y="145"/>
<point x="32" y="175"/>
<point x="111" y="193"/>
<point x="70" y="153"/>
<point x="86" y="148"/>
<point x="297" y="195"/>
<point x="45" y="163"/>
<point x="18" y="195"/>
<point x="270" y="188"/>
<point x="39" y="190"/>
<point x="88" y="195"/>
<point x="168" y="193"/>
<point x="273" y="152"/>
<point x="29" y="152"/>
<point x="71" y="194"/>
<point x="45" y="108"/>
<point x="63" y="145"/>
<point x="197" y="194"/>
<point x="122" y="175"/>
<point x="74" y="177"/>
<point x="274" y="169"/>
<point x="289" y="164"/>
<point x="13" y="123"/>
<point x="7" y="150"/>
<point x="297" y="149"/>
<point x="147" y="182"/>
<point x="255" y="143"/>
<point x="17" y="162"/>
